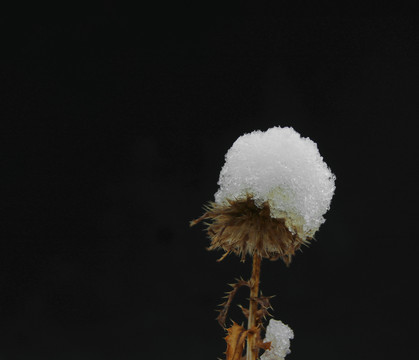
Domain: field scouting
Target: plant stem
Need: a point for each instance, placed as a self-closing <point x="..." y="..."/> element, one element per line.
<point x="252" y="351"/>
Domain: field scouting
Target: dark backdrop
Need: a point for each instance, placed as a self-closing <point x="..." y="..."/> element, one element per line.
<point x="115" y="124"/>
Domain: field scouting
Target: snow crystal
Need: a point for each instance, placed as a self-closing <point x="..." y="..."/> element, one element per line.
<point x="284" y="169"/>
<point x="279" y="335"/>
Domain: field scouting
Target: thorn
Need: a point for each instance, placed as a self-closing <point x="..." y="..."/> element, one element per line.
<point x="223" y="257"/>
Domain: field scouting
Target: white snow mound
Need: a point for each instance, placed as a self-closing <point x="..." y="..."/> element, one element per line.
<point x="283" y="168"/>
<point x="279" y="335"/>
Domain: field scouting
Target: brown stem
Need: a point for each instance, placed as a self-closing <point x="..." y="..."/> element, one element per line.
<point x="252" y="350"/>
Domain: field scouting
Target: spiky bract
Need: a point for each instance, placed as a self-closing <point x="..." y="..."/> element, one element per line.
<point x="243" y="228"/>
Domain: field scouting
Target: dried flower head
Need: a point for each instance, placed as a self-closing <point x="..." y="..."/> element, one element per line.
<point x="243" y="227"/>
<point x="274" y="190"/>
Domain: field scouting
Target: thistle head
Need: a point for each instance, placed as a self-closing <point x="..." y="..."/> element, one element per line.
<point x="274" y="189"/>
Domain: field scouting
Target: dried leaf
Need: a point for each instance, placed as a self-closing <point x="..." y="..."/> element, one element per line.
<point x="235" y="339"/>
<point x="264" y="301"/>
<point x="264" y="345"/>
<point x="230" y="295"/>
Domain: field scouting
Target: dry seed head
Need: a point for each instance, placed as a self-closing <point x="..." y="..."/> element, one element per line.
<point x="243" y="228"/>
<point x="274" y="189"/>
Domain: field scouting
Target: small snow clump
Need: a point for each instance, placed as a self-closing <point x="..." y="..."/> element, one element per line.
<point x="282" y="168"/>
<point x="279" y="335"/>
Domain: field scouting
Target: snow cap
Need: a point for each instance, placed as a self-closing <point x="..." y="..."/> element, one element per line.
<point x="282" y="168"/>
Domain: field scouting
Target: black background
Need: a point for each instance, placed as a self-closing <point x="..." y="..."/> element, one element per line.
<point x="116" y="119"/>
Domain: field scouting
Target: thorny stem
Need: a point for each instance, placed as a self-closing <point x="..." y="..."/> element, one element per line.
<point x="221" y="318"/>
<point x="252" y="350"/>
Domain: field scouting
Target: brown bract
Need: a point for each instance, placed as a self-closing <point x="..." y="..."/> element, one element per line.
<point x="243" y="228"/>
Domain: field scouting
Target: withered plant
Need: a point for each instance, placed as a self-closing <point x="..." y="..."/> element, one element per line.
<point x="274" y="190"/>
<point x="243" y="228"/>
